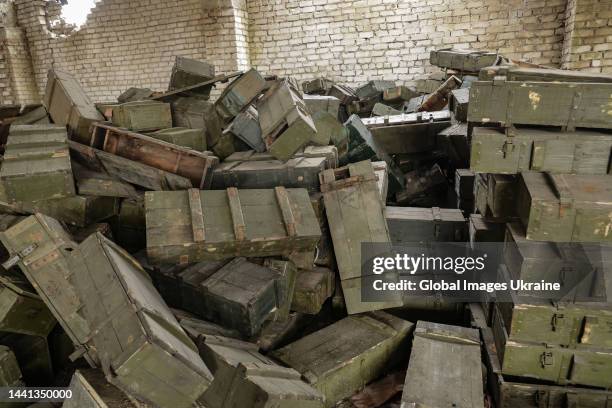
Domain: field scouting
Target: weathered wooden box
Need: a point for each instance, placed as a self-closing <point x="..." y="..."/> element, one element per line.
<point x="351" y="193"/>
<point x="191" y="138"/>
<point x="501" y="195"/>
<point x="458" y="103"/>
<point x="245" y="127"/>
<point x="408" y="133"/>
<point x="126" y="170"/>
<point x="21" y="309"/>
<point x="36" y="164"/>
<point x="518" y="73"/>
<point x="286" y="123"/>
<point x="584" y="366"/>
<point x="76" y="210"/>
<point x="462" y="59"/>
<point x="511" y="392"/>
<point x="244" y="378"/>
<point x="68" y="105"/>
<point x="533" y="149"/>
<point x="567" y="104"/>
<point x="341" y="358"/>
<point x="142" y="348"/>
<point x="188" y="163"/>
<point x="573" y="265"/>
<point x="409" y="224"/>
<point x="312" y="289"/>
<point x="294" y="173"/>
<point x="191" y="226"/>
<point x="363" y="146"/>
<point x="240" y="294"/>
<point x="10" y="373"/>
<point x="142" y="116"/>
<point x="440" y="354"/>
<point x="91" y="389"/>
<point x="239" y="94"/>
<point x="399" y="94"/>
<point x="41" y="248"/>
<point x="317" y="86"/>
<point x="187" y="72"/>
<point x="373" y="88"/>
<point x="565" y="207"/>
<point x="319" y="103"/>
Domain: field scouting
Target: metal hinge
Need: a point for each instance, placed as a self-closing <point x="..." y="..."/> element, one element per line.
<point x="14" y="260"/>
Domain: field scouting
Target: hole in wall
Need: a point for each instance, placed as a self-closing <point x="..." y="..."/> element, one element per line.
<point x="65" y="17"/>
<point x="75" y="12"/>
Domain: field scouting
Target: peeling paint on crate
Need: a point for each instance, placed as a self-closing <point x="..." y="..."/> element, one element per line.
<point x="535" y="99"/>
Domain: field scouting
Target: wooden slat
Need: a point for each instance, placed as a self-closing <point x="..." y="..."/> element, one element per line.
<point x="237" y="215"/>
<point x="282" y="198"/>
<point x="197" y="215"/>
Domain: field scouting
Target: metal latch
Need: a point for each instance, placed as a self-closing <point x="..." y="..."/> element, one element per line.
<point x="546" y="359"/>
<point x="555" y="320"/>
<point x="508" y="147"/>
<point x="12" y="261"/>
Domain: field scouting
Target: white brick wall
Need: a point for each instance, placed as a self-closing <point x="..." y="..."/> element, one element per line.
<point x="130" y="43"/>
<point x="358" y="40"/>
<point x="133" y="42"/>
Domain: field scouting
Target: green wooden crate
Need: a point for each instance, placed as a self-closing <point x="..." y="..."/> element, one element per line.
<point x="312" y="289"/>
<point x="91" y="389"/>
<point x="192" y="138"/>
<point x="567" y="104"/>
<point x="518" y="73"/>
<point x="410" y="224"/>
<point x="533" y="149"/>
<point x="142" y="116"/>
<point x="463" y="59"/>
<point x="294" y="173"/>
<point x="22" y="311"/>
<point x="239" y="94"/>
<point x="240" y="294"/>
<point x="187" y="72"/>
<point x="440" y="354"/>
<point x="565" y="207"/>
<point x="351" y="193"/>
<point x="341" y="358"/>
<point x="286" y="123"/>
<point x="40" y="246"/>
<point x="142" y="348"/>
<point x="245" y="378"/>
<point x="68" y="105"/>
<point x="36" y="164"/>
<point x="192" y="226"/>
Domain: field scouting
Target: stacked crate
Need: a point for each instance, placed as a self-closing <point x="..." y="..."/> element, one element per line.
<point x="540" y="150"/>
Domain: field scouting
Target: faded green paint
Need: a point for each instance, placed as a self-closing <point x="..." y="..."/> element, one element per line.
<point x="566" y="208"/>
<point x="440" y="354"/>
<point x="341" y="358"/>
<point x="142" y="116"/>
<point x="255" y="226"/>
<point x="192" y="138"/>
<point x="68" y="105"/>
<point x="566" y="104"/>
<point x="579" y="152"/>
<point x="36" y="164"/>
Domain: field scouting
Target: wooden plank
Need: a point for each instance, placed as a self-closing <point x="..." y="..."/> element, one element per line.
<point x="233" y="198"/>
<point x="285" y="206"/>
<point x="197" y="215"/>
<point x="196" y="166"/>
